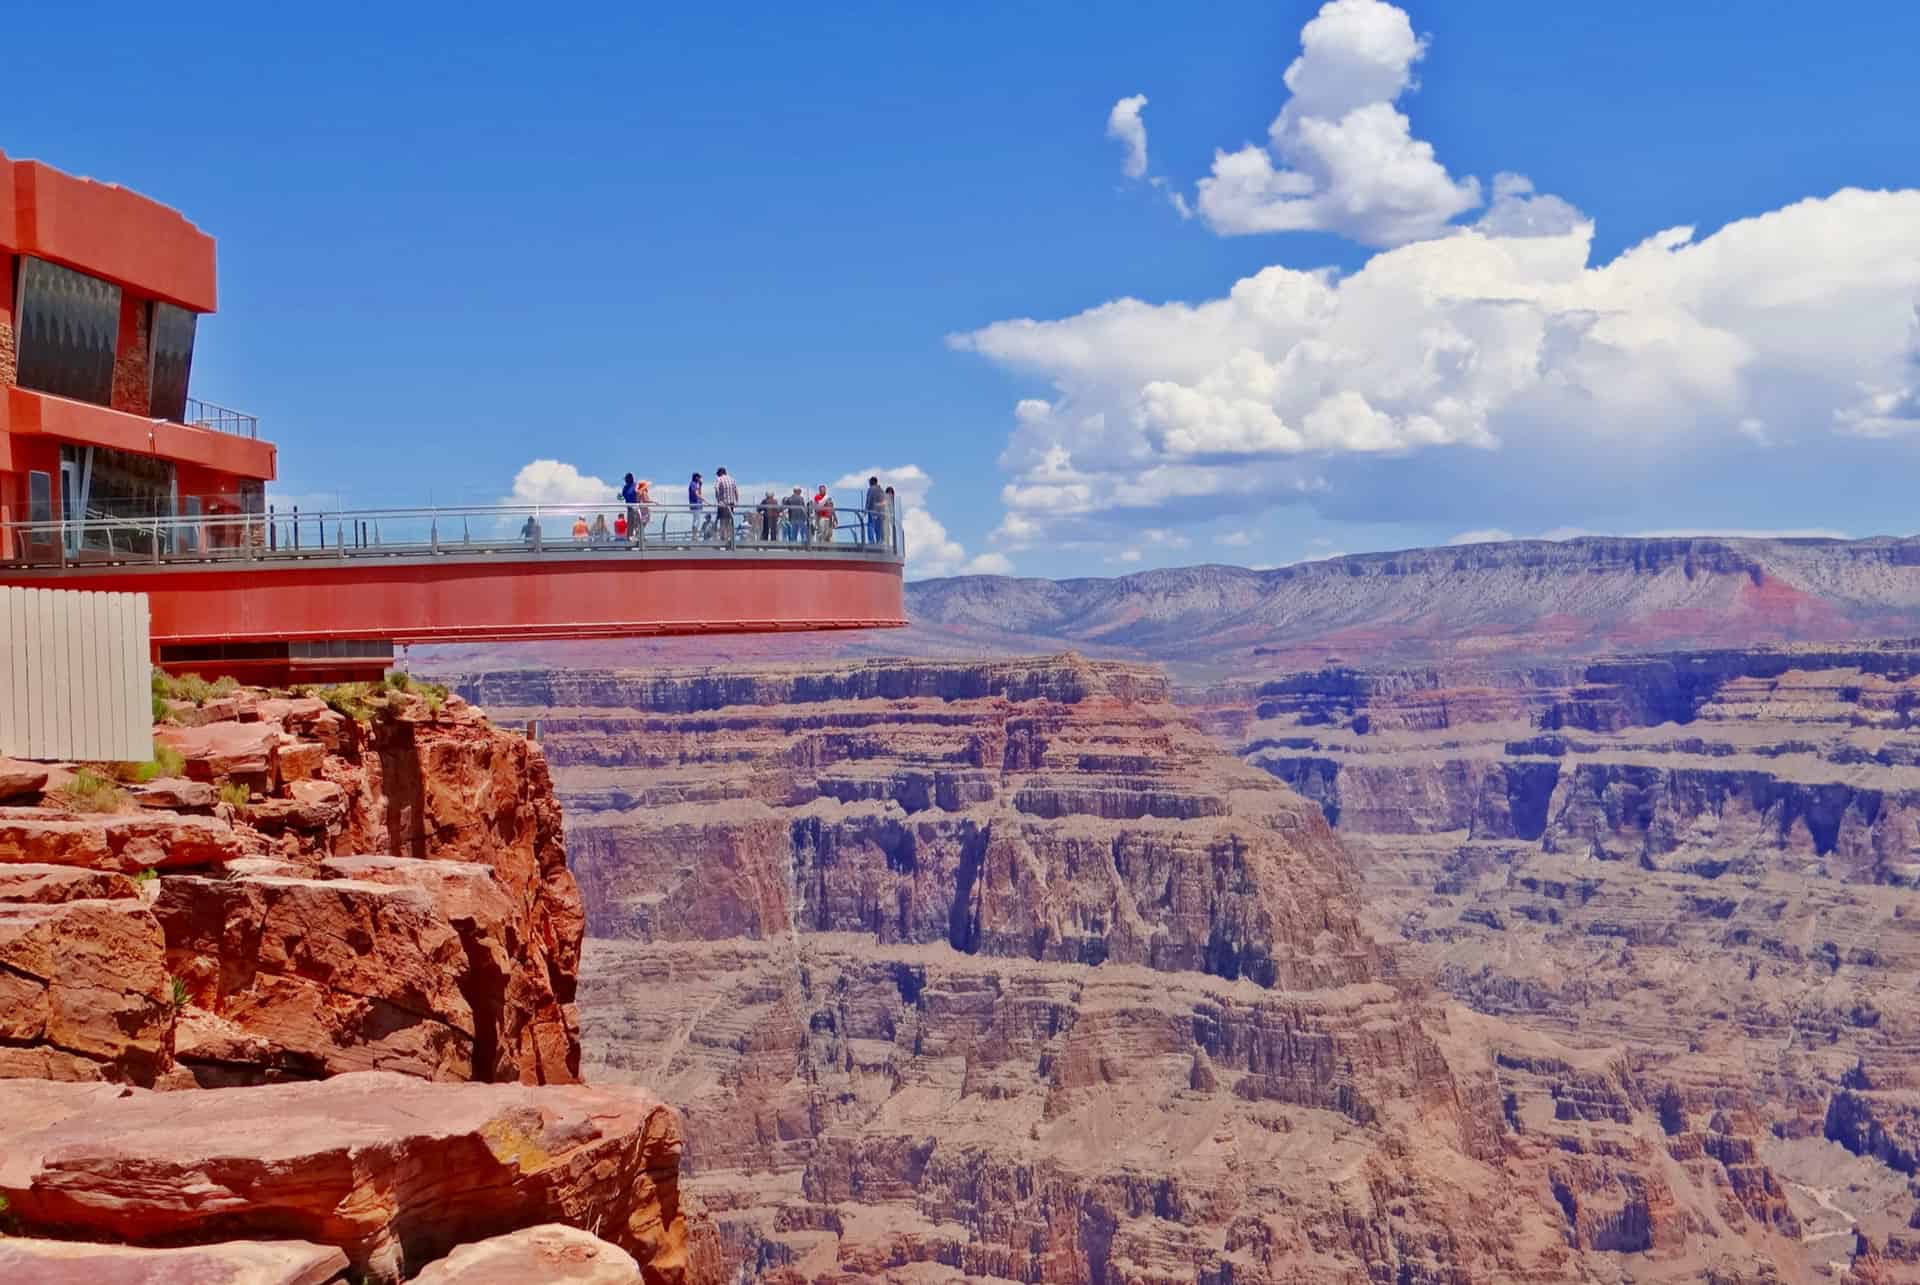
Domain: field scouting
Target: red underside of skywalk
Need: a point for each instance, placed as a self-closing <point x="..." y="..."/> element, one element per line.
<point x="444" y="600"/>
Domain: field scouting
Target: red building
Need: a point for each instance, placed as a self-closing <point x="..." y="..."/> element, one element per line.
<point x="113" y="477"/>
<point x="101" y="290"/>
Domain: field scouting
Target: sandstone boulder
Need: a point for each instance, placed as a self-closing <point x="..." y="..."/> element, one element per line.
<point x="393" y="1171"/>
<point x="215" y="750"/>
<point x="320" y="976"/>
<point x="237" y="1262"/>
<point x="551" y="1252"/>
<point x="28" y="881"/>
<point x="19" y="779"/>
<point x="83" y="991"/>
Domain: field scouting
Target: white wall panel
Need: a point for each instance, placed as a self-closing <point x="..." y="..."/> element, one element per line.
<point x="74" y="675"/>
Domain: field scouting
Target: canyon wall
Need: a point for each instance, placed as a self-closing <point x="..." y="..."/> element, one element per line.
<point x="1007" y="971"/>
<point x="316" y="991"/>
<point x="1708" y="857"/>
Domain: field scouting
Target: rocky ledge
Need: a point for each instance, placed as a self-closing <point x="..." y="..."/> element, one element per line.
<point x="313" y="910"/>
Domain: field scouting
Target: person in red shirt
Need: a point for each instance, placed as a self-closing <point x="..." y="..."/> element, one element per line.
<point x="823" y="516"/>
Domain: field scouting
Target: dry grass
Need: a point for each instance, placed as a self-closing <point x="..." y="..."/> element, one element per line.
<point x="88" y="791"/>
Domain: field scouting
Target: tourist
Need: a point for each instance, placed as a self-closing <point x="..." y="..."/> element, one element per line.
<point x="726" y="495"/>
<point x="630" y="495"/>
<point x="769" y="519"/>
<point x="696" y="506"/>
<point x="580" y="529"/>
<point x="823" y="514"/>
<point x="795" y="526"/>
<point x="599" y="534"/>
<point x="530" y="531"/>
<point x="620" y="527"/>
<point x="637" y="525"/>
<point x="876" y="510"/>
<point x="890" y="511"/>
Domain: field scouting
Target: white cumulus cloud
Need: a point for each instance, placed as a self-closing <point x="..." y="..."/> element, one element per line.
<point x="1125" y="127"/>
<point x="1499" y="351"/>
<point x="1341" y="157"/>
<point x="930" y="550"/>
<point x="556" y="483"/>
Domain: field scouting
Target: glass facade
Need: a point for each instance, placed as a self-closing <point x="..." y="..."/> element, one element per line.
<point x="118" y="484"/>
<point x="67" y="329"/>
<point x="173" y="331"/>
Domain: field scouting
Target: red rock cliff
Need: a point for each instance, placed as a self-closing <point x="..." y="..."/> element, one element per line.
<point x="320" y="899"/>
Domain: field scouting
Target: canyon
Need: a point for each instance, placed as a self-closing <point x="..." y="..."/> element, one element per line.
<point x="1044" y="970"/>
<point x="1704" y="859"/>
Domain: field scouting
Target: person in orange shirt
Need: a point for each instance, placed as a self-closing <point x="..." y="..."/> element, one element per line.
<point x="580" y="530"/>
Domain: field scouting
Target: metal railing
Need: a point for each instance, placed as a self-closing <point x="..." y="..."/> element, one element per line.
<point x="504" y="531"/>
<point x="220" y="419"/>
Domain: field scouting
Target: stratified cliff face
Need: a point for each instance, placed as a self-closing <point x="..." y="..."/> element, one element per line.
<point x="1005" y="972"/>
<point x="318" y="919"/>
<point x="248" y="940"/>
<point x="1706" y="859"/>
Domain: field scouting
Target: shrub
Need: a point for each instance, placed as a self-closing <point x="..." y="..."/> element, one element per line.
<point x="88" y="791"/>
<point x="166" y="761"/>
<point x="399" y="680"/>
<point x="349" y="700"/>
<point x="179" y="993"/>
<point x="147" y="876"/>
<point x="192" y="687"/>
<point x="235" y="794"/>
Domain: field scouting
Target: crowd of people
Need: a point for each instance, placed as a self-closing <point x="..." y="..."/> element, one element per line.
<point x="794" y="519"/>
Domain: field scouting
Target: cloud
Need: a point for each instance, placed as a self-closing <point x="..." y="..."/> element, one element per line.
<point x="1340" y="157"/>
<point x="1487" y="535"/>
<point x="1518" y="211"/>
<point x="1508" y="364"/>
<point x="930" y="550"/>
<point x="1125" y="127"/>
<point x="1234" y="539"/>
<point x="553" y="482"/>
<point x="1894" y="408"/>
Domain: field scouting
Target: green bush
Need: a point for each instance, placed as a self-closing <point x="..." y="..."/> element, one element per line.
<point x="235" y="794"/>
<point x="166" y="761"/>
<point x="179" y="993"/>
<point x="147" y="876"/>
<point x="192" y="687"/>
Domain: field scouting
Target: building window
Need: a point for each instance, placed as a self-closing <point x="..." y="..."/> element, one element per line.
<point x="40" y="506"/>
<point x="67" y="329"/>
<point x="173" y="331"/>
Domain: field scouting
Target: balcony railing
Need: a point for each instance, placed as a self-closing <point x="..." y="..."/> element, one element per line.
<point x="220" y="419"/>
<point x="494" y="531"/>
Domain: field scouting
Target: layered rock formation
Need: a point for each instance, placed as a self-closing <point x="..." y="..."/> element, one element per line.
<point x="232" y="938"/>
<point x="1701" y="862"/>
<point x="223" y="933"/>
<point x="1002" y="971"/>
<point x="1461" y="604"/>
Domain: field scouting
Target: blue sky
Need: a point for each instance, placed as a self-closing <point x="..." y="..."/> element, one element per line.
<point x="670" y="237"/>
